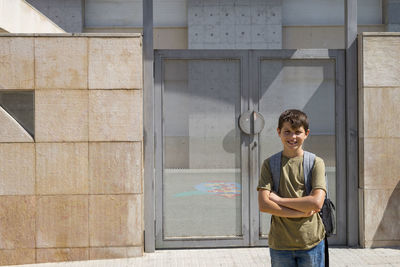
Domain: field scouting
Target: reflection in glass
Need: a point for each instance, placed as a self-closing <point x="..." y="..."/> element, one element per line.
<point x="308" y="85"/>
<point x="201" y="178"/>
<point x="20" y="105"/>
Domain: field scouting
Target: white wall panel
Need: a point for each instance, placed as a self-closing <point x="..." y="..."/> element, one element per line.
<point x="328" y="12"/>
<point x="128" y="13"/>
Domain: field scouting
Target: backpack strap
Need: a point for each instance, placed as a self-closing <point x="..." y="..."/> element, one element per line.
<point x="308" y="165"/>
<point x="275" y="167"/>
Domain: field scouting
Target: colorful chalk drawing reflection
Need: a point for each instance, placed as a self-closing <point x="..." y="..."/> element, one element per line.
<point x="223" y="189"/>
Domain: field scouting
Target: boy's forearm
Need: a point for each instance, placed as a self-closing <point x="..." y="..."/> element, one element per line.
<point x="303" y="204"/>
<point x="309" y="203"/>
<point x="282" y="211"/>
<point x="268" y="206"/>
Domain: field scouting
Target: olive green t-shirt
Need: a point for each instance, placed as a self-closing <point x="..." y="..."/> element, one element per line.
<point x="294" y="233"/>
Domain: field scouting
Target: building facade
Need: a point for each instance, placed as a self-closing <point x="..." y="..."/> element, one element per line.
<point x="73" y="115"/>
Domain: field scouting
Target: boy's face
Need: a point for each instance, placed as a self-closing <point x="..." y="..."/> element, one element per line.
<point x="292" y="139"/>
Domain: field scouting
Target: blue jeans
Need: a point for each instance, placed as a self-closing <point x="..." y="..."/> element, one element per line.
<point x="291" y="258"/>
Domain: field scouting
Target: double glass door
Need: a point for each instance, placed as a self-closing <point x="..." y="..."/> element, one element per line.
<point x="207" y="167"/>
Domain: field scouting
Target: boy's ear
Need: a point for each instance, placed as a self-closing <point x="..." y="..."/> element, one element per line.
<point x="308" y="132"/>
<point x="278" y="131"/>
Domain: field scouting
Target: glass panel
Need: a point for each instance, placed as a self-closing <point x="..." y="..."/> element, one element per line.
<point x="201" y="178"/>
<point x="308" y="85"/>
<point x="20" y="105"/>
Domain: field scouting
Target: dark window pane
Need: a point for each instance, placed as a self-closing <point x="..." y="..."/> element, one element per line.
<point x="20" y="105"/>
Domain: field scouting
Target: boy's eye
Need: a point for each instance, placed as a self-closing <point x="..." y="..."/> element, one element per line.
<point x="298" y="132"/>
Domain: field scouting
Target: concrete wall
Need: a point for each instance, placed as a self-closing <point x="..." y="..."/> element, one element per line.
<point x="67" y="14"/>
<point x="75" y="192"/>
<point x="379" y="139"/>
<point x="241" y="24"/>
<point x="17" y="16"/>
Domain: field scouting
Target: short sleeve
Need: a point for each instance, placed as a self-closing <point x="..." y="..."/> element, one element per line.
<point x="265" y="182"/>
<point x="318" y="175"/>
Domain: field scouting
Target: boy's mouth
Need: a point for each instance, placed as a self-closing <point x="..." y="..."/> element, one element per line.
<point x="292" y="142"/>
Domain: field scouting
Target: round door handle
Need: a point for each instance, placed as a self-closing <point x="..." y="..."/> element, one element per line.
<point x="258" y="121"/>
<point x="245" y="122"/>
<point x="251" y="122"/>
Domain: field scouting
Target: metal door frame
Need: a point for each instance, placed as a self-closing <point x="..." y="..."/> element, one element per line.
<point x="338" y="55"/>
<point x="160" y="56"/>
<point x="250" y="83"/>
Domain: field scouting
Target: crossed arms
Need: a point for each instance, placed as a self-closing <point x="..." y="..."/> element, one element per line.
<point x="291" y="207"/>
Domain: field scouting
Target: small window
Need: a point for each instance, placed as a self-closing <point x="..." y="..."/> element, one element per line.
<point x="20" y="105"/>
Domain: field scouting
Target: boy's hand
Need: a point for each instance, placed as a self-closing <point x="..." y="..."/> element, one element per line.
<point x="309" y="213"/>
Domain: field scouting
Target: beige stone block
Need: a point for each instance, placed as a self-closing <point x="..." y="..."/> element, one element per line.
<point x="61" y="254"/>
<point x="115" y="63"/>
<point x="17" y="169"/>
<point x="381" y="168"/>
<point x="381" y="60"/>
<point x="16" y="63"/>
<point x="296" y="37"/>
<point x="17" y="222"/>
<point x="115" y="220"/>
<point x="382" y="214"/>
<point x="115" y="115"/>
<point x="171" y="38"/>
<point x="62" y="168"/>
<point x="61" y="115"/>
<point x="61" y="63"/>
<point x="381" y="109"/>
<point x="11" y="130"/>
<point x="115" y="168"/>
<point x="327" y="37"/>
<point x="115" y="252"/>
<point x="17" y="256"/>
<point x="62" y="221"/>
<point x="371" y="28"/>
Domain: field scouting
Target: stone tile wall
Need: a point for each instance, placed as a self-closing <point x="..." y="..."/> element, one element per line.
<point x="379" y="138"/>
<point x="75" y="191"/>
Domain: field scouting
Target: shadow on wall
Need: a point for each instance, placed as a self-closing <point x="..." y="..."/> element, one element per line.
<point x="66" y="14"/>
<point x="388" y="228"/>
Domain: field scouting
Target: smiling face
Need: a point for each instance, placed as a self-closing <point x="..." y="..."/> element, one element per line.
<point x="292" y="139"/>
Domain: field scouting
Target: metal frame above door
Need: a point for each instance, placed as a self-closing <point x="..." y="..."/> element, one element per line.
<point x="340" y="118"/>
<point x="160" y="56"/>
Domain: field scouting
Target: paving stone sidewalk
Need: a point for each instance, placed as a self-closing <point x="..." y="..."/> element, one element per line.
<point x="247" y="257"/>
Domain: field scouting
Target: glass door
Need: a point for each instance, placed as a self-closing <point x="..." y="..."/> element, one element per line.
<point x="207" y="167"/>
<point x="202" y="174"/>
<point x="312" y="81"/>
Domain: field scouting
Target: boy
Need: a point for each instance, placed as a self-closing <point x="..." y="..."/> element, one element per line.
<point x="297" y="233"/>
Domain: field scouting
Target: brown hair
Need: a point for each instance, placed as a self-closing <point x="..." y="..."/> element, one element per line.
<point x="295" y="117"/>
